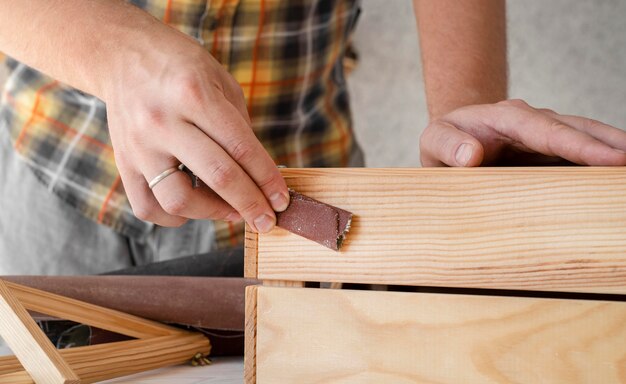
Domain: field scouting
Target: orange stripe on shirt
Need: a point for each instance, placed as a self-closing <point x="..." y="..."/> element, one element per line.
<point x="232" y="236"/>
<point x="291" y="81"/>
<point x="217" y="33"/>
<point x="255" y="55"/>
<point x="92" y="140"/>
<point x="33" y="112"/>
<point x="168" y="11"/>
<point x="103" y="209"/>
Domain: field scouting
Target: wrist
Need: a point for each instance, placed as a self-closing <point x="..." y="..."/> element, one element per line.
<point x="126" y="48"/>
<point x="440" y="105"/>
<point x="146" y="52"/>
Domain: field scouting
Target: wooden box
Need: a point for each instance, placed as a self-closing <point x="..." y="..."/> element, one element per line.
<point x="518" y="275"/>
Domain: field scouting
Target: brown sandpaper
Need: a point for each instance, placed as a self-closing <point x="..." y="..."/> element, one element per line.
<point x="204" y="302"/>
<point x="314" y="220"/>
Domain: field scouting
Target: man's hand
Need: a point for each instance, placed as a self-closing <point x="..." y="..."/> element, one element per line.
<point x="513" y="133"/>
<point x="170" y="102"/>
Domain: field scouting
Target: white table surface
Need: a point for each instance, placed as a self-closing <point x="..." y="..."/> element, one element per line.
<point x="224" y="370"/>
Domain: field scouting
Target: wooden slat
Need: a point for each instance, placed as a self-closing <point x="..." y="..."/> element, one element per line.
<point x="283" y="283"/>
<point x="341" y="336"/>
<point x="19" y="377"/>
<point x="250" y="338"/>
<point x="9" y="364"/>
<point x="249" y="253"/>
<point x="554" y="229"/>
<point x="30" y="344"/>
<point x="85" y="313"/>
<point x="107" y="361"/>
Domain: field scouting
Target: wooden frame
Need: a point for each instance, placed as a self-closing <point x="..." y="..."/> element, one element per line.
<point x="528" y="229"/>
<point x="250" y="336"/>
<point x="37" y="361"/>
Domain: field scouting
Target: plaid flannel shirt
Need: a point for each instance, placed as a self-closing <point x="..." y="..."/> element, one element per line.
<point x="287" y="57"/>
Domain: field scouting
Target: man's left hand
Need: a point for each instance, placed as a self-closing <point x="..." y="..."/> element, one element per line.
<point x="512" y="132"/>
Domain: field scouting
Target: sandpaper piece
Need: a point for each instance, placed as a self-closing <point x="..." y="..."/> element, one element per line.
<point x="314" y="220"/>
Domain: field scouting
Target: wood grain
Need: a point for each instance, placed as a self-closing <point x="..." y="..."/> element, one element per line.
<point x="332" y="336"/>
<point x="283" y="283"/>
<point x="249" y="253"/>
<point x="106" y="361"/>
<point x="85" y="313"/>
<point x="554" y="229"/>
<point x="249" y="367"/>
<point x="30" y="344"/>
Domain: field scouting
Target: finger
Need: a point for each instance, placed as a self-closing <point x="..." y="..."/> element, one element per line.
<point x="177" y="197"/>
<point x="605" y="133"/>
<point x="144" y="204"/>
<point x="223" y="175"/>
<point x="546" y="135"/>
<point x="142" y="201"/>
<point x="443" y="144"/>
<point x="224" y="124"/>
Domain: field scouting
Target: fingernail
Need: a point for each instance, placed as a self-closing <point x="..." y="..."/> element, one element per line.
<point x="264" y="223"/>
<point x="464" y="154"/>
<point x="279" y="201"/>
<point x="234" y="216"/>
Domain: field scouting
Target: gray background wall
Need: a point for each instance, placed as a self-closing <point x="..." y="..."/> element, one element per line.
<point x="568" y="55"/>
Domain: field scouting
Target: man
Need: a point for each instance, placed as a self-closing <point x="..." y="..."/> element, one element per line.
<point x="228" y="88"/>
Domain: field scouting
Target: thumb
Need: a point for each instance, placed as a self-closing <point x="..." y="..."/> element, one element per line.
<point x="444" y="144"/>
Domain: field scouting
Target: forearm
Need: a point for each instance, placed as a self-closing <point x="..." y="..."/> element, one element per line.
<point x="463" y="48"/>
<point x="75" y="41"/>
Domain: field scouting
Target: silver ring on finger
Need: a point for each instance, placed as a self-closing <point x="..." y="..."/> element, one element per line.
<point x="161" y="176"/>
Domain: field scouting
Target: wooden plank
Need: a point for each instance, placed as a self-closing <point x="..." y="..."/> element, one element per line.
<point x="9" y="364"/>
<point x="85" y="313"/>
<point x="107" y="361"/>
<point x="342" y="336"/>
<point x="283" y="283"/>
<point x="554" y="229"/>
<point x="250" y="253"/>
<point x="249" y="367"/>
<point x="31" y="346"/>
<point x="19" y="377"/>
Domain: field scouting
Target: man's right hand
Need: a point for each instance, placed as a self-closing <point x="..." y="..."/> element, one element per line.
<point x="169" y="102"/>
